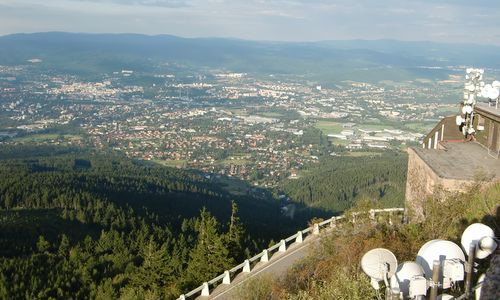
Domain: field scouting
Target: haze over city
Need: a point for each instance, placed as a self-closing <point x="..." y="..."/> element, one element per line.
<point x="281" y="20"/>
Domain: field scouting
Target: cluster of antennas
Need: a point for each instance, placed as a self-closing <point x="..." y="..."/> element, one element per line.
<point x="440" y="264"/>
<point x="474" y="88"/>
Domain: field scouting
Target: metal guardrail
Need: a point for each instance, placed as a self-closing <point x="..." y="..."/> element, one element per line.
<point x="265" y="255"/>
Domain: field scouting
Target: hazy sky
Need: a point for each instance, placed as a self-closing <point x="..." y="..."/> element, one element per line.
<point x="476" y="21"/>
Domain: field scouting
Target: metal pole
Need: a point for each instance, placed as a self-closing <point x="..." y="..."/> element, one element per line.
<point x="469" y="271"/>
<point x="395" y="294"/>
<point x="435" y="280"/>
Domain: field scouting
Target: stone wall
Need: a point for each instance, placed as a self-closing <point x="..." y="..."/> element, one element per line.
<point x="423" y="182"/>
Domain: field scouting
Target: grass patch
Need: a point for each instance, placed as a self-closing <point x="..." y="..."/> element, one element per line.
<point x="329" y="127"/>
<point x="171" y="162"/>
<point x="271" y="114"/>
<point x="362" y="154"/>
<point x="47" y="137"/>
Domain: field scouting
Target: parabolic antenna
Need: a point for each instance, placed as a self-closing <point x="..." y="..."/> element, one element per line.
<point x="471" y="98"/>
<point x="495" y="84"/>
<point x="404" y="273"/>
<point x="459" y="120"/>
<point x="437" y="250"/>
<point x="485" y="91"/>
<point x="494" y="93"/>
<point x="379" y="264"/>
<point x="482" y="236"/>
<point x="468" y="109"/>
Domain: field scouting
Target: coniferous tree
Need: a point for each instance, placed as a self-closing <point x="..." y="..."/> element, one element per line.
<point x="210" y="256"/>
<point x="234" y="236"/>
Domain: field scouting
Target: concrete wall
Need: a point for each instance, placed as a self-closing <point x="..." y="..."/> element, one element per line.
<point x="422" y="182"/>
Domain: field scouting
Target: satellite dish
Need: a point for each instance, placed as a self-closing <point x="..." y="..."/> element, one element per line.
<point x="380" y="264"/>
<point x="437" y="250"/>
<point x="468" y="70"/>
<point x="470" y="87"/>
<point x="445" y="297"/>
<point x="459" y="120"/>
<point x="482" y="236"/>
<point x="493" y="93"/>
<point x="471" y="99"/>
<point x="495" y="84"/>
<point x="404" y="273"/>
<point x="468" y="109"/>
<point x="471" y="130"/>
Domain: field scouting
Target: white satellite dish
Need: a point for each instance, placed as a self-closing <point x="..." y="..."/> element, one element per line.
<point x="495" y="84"/>
<point x="404" y="273"/>
<point x="482" y="236"/>
<point x="459" y="120"/>
<point x="437" y="250"/>
<point x="471" y="130"/>
<point x="471" y="99"/>
<point x="493" y="93"/>
<point x="380" y="264"/>
<point x="468" y="109"/>
<point x="468" y="70"/>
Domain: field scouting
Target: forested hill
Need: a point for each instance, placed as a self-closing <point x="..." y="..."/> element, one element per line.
<point x="84" y="225"/>
<point x="336" y="184"/>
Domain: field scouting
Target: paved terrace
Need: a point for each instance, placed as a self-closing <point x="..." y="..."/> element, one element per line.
<point x="460" y="160"/>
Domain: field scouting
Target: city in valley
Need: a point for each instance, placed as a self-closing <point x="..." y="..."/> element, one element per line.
<point x="260" y="128"/>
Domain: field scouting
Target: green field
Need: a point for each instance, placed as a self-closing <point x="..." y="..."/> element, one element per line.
<point x="270" y="114"/>
<point x="362" y="154"/>
<point x="329" y="127"/>
<point x="235" y="160"/>
<point x="46" y="137"/>
<point x="171" y="163"/>
<point x="376" y="126"/>
<point x="420" y="127"/>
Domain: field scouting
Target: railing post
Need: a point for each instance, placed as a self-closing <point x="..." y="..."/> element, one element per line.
<point x="299" y="239"/>
<point x="333" y="223"/>
<point x="227" y="278"/>
<point x="282" y="246"/>
<point x="265" y="256"/>
<point x="316" y="229"/>
<point x="372" y="215"/>
<point x="246" y="266"/>
<point x="206" y="290"/>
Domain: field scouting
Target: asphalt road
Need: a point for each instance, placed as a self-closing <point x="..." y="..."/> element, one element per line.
<point x="277" y="266"/>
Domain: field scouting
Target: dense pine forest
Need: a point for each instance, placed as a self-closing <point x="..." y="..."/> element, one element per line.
<point x="75" y="224"/>
<point x="337" y="184"/>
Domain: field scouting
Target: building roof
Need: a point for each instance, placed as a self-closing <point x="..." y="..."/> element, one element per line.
<point x="461" y="160"/>
<point x="492" y="111"/>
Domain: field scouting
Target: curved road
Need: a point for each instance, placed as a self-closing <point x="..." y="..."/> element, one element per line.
<point x="277" y="266"/>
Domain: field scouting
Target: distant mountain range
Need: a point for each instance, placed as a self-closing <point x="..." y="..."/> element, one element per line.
<point x="354" y="59"/>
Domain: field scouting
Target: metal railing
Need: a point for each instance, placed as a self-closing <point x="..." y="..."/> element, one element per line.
<point x="265" y="255"/>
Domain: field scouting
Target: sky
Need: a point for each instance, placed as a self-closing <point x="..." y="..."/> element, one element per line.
<point x="473" y="21"/>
